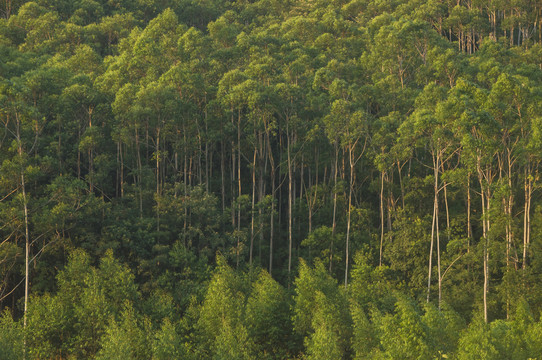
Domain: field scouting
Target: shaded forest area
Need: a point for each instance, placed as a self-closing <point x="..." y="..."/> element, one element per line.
<point x="270" y="179"/>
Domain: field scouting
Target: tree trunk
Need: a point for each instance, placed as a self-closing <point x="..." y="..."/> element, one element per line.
<point x="290" y="180"/>
<point x="273" y="194"/>
<point x="348" y="222"/>
<point x="222" y="168"/>
<point x="448" y="230"/>
<point x="399" y="170"/>
<point x="207" y="161"/>
<point x="238" y="184"/>
<point x="334" y="224"/>
<point x="527" y="214"/>
<point x="90" y="155"/>
<point x="261" y="192"/>
<point x="485" y="195"/>
<point x="139" y="172"/>
<point x="252" y="206"/>
<point x="158" y="179"/>
<point x="381" y="217"/>
<point x="469" y="226"/>
<point x="27" y="236"/>
<point x="430" y="267"/>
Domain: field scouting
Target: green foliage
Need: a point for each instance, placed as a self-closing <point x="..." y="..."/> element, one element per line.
<point x="128" y="337"/>
<point x="268" y="318"/>
<point x="476" y="342"/>
<point x="167" y="344"/>
<point x="220" y="324"/>
<point x="73" y="321"/>
<point x="325" y="341"/>
<point x="444" y="327"/>
<point x="370" y="287"/>
<point x="403" y="334"/>
<point x="321" y="312"/>
<point x="11" y="338"/>
<point x="268" y="131"/>
<point x="364" y="333"/>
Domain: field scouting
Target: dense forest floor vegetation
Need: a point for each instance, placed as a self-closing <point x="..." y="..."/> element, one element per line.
<point x="270" y="179"/>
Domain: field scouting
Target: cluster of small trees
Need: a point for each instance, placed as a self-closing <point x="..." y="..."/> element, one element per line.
<point x="269" y="131"/>
<point x="97" y="312"/>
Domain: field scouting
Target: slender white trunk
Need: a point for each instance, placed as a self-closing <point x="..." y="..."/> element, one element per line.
<point x="290" y="180"/>
<point x="252" y="206"/>
<point x="334" y="225"/>
<point x="349" y="216"/>
<point x="27" y="236"/>
<point x="381" y="217"/>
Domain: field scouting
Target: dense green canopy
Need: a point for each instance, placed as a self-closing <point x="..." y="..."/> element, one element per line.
<point x="270" y="179"/>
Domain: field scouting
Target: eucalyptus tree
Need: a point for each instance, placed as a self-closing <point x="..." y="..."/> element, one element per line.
<point x="289" y="98"/>
<point x="388" y="151"/>
<point x="260" y="113"/>
<point x="348" y="125"/>
<point x="79" y="102"/>
<point x="505" y="103"/>
<point x="428" y="124"/>
<point x="158" y="102"/>
<point x="233" y="95"/>
<point x="17" y="118"/>
<point x="479" y="138"/>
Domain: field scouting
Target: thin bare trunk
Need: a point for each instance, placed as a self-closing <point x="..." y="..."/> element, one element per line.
<point x="485" y="198"/>
<point x="90" y="156"/>
<point x="334" y="225"/>
<point x="261" y="192"/>
<point x="121" y="170"/>
<point x="27" y="236"/>
<point x="469" y="225"/>
<point x="290" y="180"/>
<point x="348" y="222"/>
<point x="273" y="194"/>
<point x="381" y="217"/>
<point x="527" y="214"/>
<point x="399" y="168"/>
<point x="448" y="230"/>
<point x="208" y="168"/>
<point x="430" y="267"/>
<point x="252" y="205"/>
<point x="139" y="172"/>
<point x="238" y="184"/>
<point x="157" y="179"/>
<point x="438" y="237"/>
<point x="222" y="169"/>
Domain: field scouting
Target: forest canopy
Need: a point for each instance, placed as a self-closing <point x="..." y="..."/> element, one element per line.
<point x="270" y="179"/>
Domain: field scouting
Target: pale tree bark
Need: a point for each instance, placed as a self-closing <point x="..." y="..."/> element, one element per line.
<point x="381" y="217"/>
<point x="139" y="171"/>
<point x="238" y="184"/>
<point x="469" y="226"/>
<point x="334" y="224"/>
<point x="158" y="179"/>
<point x="485" y="178"/>
<point x="252" y="205"/>
<point x="290" y="195"/>
<point x="273" y="194"/>
<point x="433" y="227"/>
<point x="435" y="233"/>
<point x="27" y="236"/>
<point x="528" y="188"/>
<point x="352" y="162"/>
<point x="348" y="221"/>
